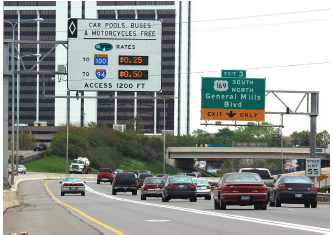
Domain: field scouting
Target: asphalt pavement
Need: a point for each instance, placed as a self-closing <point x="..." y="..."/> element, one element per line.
<point x="37" y="215"/>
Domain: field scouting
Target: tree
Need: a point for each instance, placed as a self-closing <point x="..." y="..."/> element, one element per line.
<point x="225" y="135"/>
<point x="200" y="133"/>
<point x="136" y="125"/>
<point x="323" y="139"/>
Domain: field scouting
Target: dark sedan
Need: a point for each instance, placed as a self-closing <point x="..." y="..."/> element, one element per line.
<point x="294" y="189"/>
<point x="142" y="177"/>
<point x="38" y="148"/>
<point x="152" y="187"/>
<point x="240" y="189"/>
<point x="179" y="187"/>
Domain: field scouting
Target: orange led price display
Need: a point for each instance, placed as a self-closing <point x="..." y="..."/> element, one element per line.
<point x="132" y="74"/>
<point x="133" y="60"/>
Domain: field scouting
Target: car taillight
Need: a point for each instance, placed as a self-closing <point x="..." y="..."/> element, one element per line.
<point x="145" y="188"/>
<point x="111" y="176"/>
<point x="313" y="187"/>
<point x="79" y="184"/>
<point x="208" y="187"/>
<point x="114" y="182"/>
<point x="171" y="186"/>
<point x="262" y="190"/>
<point x="282" y="186"/>
<point x="136" y="182"/>
<point x="66" y="184"/>
<point x="190" y="186"/>
<point x="227" y="190"/>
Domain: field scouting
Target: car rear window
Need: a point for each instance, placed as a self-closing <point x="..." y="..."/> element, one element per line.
<point x="105" y="170"/>
<point x="200" y="181"/>
<point x="155" y="181"/>
<point x="301" y="180"/>
<point x="143" y="176"/>
<point x="125" y="176"/>
<point x="174" y="180"/>
<point x="263" y="173"/>
<point x="243" y="178"/>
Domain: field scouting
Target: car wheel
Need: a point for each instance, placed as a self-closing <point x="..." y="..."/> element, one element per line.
<point x="166" y="199"/>
<point x="216" y="204"/>
<point x="264" y="206"/>
<point x="277" y="201"/>
<point x="307" y="205"/>
<point x="271" y="203"/>
<point x="222" y="205"/>
<point x="314" y="204"/>
<point x="135" y="193"/>
<point x="208" y="198"/>
<point x="98" y="182"/>
<point x="163" y="199"/>
<point x="143" y="197"/>
<point x="114" y="192"/>
<point x="257" y="206"/>
<point x="193" y="199"/>
<point x="62" y="194"/>
<point x="83" y="194"/>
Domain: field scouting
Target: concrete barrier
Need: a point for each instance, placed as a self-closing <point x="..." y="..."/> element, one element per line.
<point x="10" y="196"/>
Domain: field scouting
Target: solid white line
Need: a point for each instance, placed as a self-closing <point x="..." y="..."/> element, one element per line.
<point x="235" y="217"/>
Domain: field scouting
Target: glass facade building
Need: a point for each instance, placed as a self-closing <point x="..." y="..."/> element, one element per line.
<point x="106" y="111"/>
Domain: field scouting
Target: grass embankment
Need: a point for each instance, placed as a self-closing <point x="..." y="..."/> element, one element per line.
<point x="56" y="164"/>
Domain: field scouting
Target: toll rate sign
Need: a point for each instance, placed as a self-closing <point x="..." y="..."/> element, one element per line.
<point x="233" y="99"/>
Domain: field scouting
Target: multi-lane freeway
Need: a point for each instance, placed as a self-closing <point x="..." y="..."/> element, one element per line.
<point x="44" y="211"/>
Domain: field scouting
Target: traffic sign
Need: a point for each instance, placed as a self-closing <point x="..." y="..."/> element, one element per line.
<point x="233" y="99"/>
<point x="233" y="73"/>
<point x="312" y="167"/>
<point x="321" y="177"/>
<point x="114" y="55"/>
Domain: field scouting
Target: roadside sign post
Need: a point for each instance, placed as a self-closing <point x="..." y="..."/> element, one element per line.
<point x="233" y="99"/>
<point x="114" y="55"/>
<point x="313" y="167"/>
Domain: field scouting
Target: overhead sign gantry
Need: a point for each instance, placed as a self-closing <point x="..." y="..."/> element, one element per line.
<point x="114" y="55"/>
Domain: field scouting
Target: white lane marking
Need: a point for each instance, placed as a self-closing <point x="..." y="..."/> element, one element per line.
<point x="157" y="220"/>
<point x="292" y="210"/>
<point x="235" y="217"/>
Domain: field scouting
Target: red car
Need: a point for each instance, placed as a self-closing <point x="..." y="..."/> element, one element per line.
<point x="152" y="187"/>
<point x="240" y="189"/>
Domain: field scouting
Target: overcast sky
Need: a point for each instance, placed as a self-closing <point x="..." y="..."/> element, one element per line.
<point x="286" y="42"/>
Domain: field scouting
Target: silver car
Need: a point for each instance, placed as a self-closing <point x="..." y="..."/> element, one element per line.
<point x="203" y="188"/>
<point x="22" y="169"/>
<point x="73" y="185"/>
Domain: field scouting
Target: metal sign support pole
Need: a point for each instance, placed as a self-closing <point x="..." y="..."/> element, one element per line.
<point x="313" y="126"/>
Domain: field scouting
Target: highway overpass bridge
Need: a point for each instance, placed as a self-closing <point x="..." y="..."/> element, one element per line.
<point x="185" y="156"/>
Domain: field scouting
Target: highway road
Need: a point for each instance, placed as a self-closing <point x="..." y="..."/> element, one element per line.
<point x="44" y="211"/>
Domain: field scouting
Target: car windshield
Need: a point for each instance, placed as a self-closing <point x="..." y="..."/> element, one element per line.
<point x="243" y="178"/>
<point x="302" y="180"/>
<point x="72" y="180"/>
<point x="155" y="181"/>
<point x="174" y="180"/>
<point x="78" y="161"/>
<point x="20" y="166"/>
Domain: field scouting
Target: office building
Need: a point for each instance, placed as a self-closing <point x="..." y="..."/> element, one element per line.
<point x="36" y="110"/>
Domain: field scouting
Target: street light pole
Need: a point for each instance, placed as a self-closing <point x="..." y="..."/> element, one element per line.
<point x="164" y="157"/>
<point x="13" y="90"/>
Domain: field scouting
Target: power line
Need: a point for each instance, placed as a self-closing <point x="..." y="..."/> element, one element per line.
<point x="256" y="16"/>
<point x="250" y="26"/>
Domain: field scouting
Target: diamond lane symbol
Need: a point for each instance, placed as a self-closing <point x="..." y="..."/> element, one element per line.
<point x="72" y="28"/>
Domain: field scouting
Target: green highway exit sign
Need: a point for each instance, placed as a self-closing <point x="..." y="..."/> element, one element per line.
<point x="233" y="99"/>
<point x="233" y="73"/>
